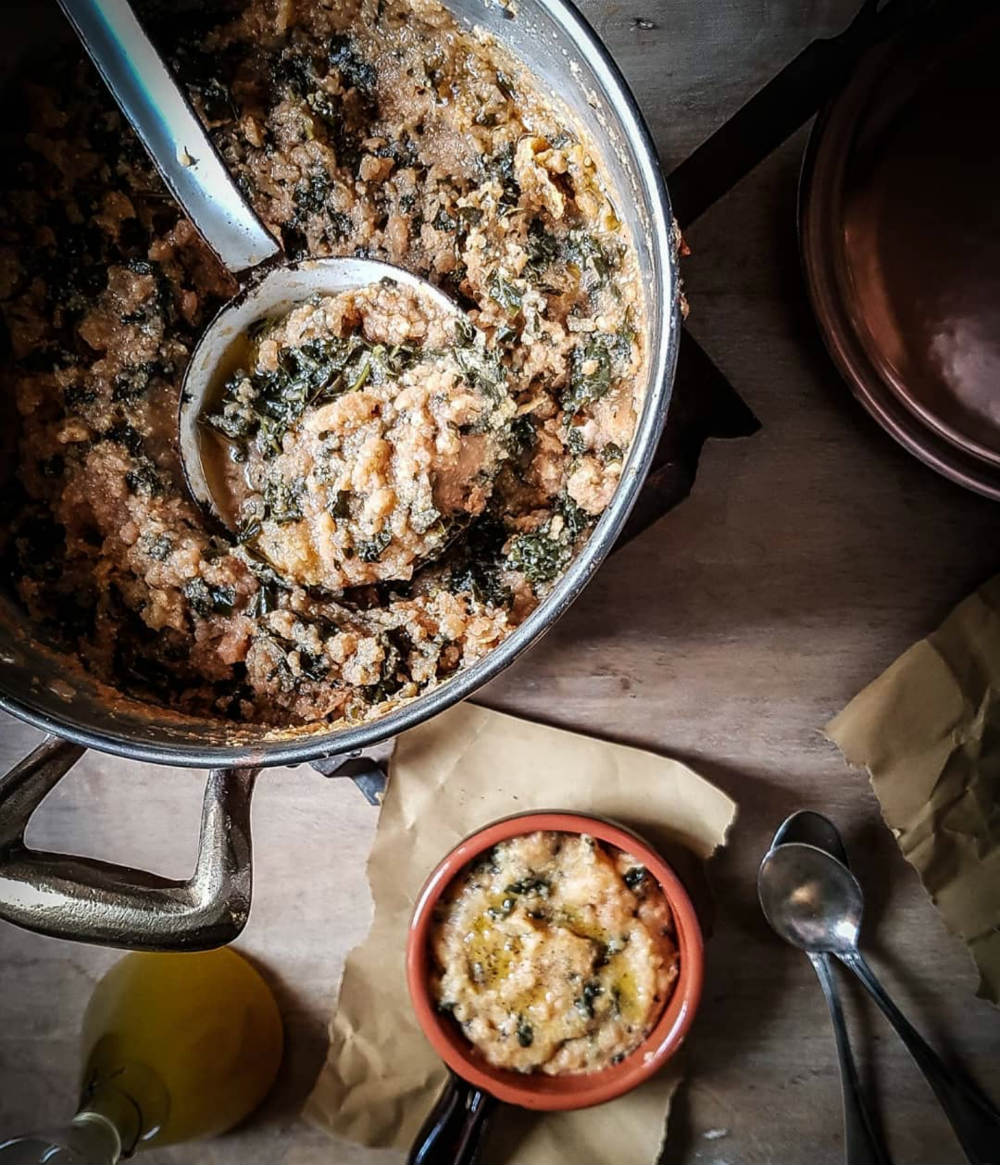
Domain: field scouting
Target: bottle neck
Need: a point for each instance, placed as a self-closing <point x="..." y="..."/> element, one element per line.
<point x="128" y="1096"/>
<point x="89" y="1139"/>
<point x="113" y="1110"/>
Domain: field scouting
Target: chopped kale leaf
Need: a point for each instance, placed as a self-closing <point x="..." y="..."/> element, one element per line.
<point x="294" y="71"/>
<point x="538" y="557"/>
<point x="122" y="433"/>
<point x="283" y="500"/>
<point x="506" y="86"/>
<point x="144" y="479"/>
<point x="373" y="549"/>
<point x="248" y="530"/>
<point x="589" y="373"/>
<point x="542" y="555"/>
<point x="355" y="71"/>
<point x="78" y="396"/>
<point x="585" y="1003"/>
<point x="543" y="246"/>
<point x="575" y="441"/>
<point x="206" y="599"/>
<point x="480" y="366"/>
<point x="310" y="195"/>
<point x="500" y="168"/>
<point x="590" y="255"/>
<point x="507" y="294"/>
<point x="529" y="885"/>
<point x="132" y="382"/>
<point x="340" y="506"/>
<point x="523" y="435"/>
<point x="476" y="570"/>
<point x="443" y="221"/>
<point x="264" y="405"/>
<point x="158" y="546"/>
<point x="501" y="911"/>
<point x="396" y="645"/>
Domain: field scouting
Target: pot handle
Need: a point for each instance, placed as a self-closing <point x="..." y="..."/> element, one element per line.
<point x="96" y="902"/>
<point x="454" y="1128"/>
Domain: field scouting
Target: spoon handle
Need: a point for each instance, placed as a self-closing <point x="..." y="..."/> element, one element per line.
<point x="862" y="1144"/>
<point x="170" y="130"/>
<point x="973" y="1116"/>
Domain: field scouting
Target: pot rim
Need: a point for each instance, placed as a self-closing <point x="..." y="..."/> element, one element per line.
<point x="312" y="745"/>
<point x="538" y="1091"/>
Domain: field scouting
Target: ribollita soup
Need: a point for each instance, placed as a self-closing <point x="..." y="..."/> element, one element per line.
<point x="553" y="953"/>
<point x="381" y="129"/>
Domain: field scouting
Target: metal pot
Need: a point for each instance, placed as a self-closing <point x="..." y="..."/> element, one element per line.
<point x="91" y="901"/>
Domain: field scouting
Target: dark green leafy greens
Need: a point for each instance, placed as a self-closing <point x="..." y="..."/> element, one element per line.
<point x="542" y="555"/>
<point x="479" y="562"/>
<point x="283" y="499"/>
<point x="206" y="599"/>
<point x="263" y="405"/>
<point x="506" y="293"/>
<point x="585" y="1002"/>
<point x="373" y="549"/>
<point x="480" y="365"/>
<point x="590" y="372"/>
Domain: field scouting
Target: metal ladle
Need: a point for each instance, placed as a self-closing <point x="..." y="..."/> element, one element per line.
<point x="862" y="1143"/>
<point x="197" y="177"/>
<point x="814" y="902"/>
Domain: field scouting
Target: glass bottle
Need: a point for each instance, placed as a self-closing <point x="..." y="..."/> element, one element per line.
<point x="175" y="1047"/>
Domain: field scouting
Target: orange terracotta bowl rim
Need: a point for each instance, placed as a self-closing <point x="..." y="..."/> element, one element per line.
<point x="538" y="1091"/>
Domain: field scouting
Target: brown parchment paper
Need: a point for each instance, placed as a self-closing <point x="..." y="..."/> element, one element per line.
<point x="450" y="776"/>
<point x="928" y="731"/>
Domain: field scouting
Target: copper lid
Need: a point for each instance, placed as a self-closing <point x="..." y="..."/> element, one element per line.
<point x="900" y="233"/>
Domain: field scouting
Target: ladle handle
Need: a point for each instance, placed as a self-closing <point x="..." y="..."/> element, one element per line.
<point x="862" y="1145"/>
<point x="975" y="1119"/>
<point x="170" y="130"/>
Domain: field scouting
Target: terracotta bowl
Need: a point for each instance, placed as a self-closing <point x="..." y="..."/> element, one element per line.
<point x="538" y="1091"/>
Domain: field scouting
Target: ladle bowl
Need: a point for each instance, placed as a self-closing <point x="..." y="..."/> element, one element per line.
<point x="272" y="291"/>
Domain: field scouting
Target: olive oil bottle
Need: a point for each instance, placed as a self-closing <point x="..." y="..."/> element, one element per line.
<point x="175" y="1047"/>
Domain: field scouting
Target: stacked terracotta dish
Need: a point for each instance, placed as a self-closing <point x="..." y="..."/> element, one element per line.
<point x="902" y="252"/>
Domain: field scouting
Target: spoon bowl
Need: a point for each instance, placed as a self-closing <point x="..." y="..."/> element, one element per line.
<point x="810" y="898"/>
<point x="812" y="828"/>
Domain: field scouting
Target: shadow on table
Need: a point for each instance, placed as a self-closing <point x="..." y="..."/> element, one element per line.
<point x="734" y="1004"/>
<point x="305" y="1051"/>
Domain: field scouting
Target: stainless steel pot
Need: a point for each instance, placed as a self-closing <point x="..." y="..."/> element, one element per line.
<point x="91" y="901"/>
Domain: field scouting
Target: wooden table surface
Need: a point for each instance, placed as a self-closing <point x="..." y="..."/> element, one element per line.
<point x="805" y="561"/>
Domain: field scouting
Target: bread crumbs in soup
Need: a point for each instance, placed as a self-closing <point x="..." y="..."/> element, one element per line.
<point x="554" y="953"/>
<point x="361" y="574"/>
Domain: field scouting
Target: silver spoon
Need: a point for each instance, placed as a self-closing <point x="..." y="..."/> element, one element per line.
<point x="862" y="1143"/>
<point x="812" y="828"/>
<point x="194" y="173"/>
<point x="814" y="902"/>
